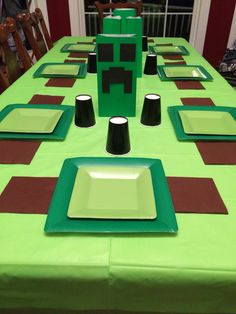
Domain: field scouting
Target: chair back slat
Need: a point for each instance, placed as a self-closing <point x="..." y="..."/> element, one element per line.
<point x="12" y="65"/>
<point x="22" y="52"/>
<point x="4" y="84"/>
<point x="44" y="28"/>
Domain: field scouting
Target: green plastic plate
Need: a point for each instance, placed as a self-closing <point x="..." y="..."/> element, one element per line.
<point x="183" y="72"/>
<point x="30" y="120"/>
<point x="208" y="122"/>
<point x="159" y="50"/>
<point x="77" y="70"/>
<point x="68" y="69"/>
<point x="74" y="47"/>
<point x="59" y="131"/>
<point x="97" y="190"/>
<point x="57" y="220"/>
<point x="178" y="126"/>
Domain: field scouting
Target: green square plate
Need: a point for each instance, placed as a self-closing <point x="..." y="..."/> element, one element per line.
<point x="183" y="72"/>
<point x="59" y="131"/>
<point x="77" y="70"/>
<point x="174" y="113"/>
<point x="30" y="120"/>
<point x="208" y="122"/>
<point x="57" y="220"/>
<point x="74" y="47"/>
<point x="159" y="50"/>
<point x="97" y="190"/>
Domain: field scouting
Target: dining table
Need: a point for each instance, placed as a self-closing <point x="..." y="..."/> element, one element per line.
<point x="192" y="271"/>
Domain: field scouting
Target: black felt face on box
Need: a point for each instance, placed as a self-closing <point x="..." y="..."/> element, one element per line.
<point x="117" y="73"/>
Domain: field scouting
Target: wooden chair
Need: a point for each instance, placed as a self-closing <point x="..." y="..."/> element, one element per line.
<point x="12" y="66"/>
<point x="4" y="84"/>
<point x="21" y="50"/>
<point x="44" y="28"/>
<point x="101" y="7"/>
<point x="29" y="23"/>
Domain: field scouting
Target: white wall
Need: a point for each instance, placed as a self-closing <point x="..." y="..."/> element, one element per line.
<point x="199" y="24"/>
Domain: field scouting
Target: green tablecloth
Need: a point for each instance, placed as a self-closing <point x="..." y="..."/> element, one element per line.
<point x="192" y="272"/>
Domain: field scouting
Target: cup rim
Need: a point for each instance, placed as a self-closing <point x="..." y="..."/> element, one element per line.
<point x="152" y="96"/>
<point x="118" y="120"/>
<point x="83" y="97"/>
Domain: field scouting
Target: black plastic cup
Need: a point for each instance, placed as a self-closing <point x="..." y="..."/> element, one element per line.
<point x="118" y="142"/>
<point x="151" y="113"/>
<point x="144" y="43"/>
<point x="150" y="67"/>
<point x="92" y="63"/>
<point x="84" y="113"/>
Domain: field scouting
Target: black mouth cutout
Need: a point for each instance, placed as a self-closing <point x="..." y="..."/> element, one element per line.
<point x="117" y="75"/>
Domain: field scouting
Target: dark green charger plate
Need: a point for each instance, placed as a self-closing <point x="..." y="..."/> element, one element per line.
<point x="66" y="48"/>
<point x="178" y="127"/>
<point x="59" y="132"/>
<point x="81" y="73"/>
<point x="57" y="220"/>
<point x="205" y="75"/>
<point x="182" y="50"/>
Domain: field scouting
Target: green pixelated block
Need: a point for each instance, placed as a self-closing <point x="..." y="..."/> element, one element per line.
<point x="129" y="24"/>
<point x="112" y="25"/>
<point x="124" y="13"/>
<point x="116" y="77"/>
<point x="134" y="25"/>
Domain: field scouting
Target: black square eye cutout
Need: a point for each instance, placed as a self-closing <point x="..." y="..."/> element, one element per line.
<point x="128" y="52"/>
<point x="105" y="52"/>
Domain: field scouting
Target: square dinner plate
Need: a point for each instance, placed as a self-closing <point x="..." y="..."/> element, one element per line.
<point x="208" y="122"/>
<point x="183" y="72"/>
<point x="174" y="113"/>
<point x="59" y="130"/>
<point x="180" y="50"/>
<point x="30" y="120"/>
<point x="74" y="47"/>
<point x="47" y="70"/>
<point x="97" y="193"/>
<point x="58" y="221"/>
<point x="67" y="69"/>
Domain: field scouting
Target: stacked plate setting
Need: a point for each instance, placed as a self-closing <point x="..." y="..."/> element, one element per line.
<point x="22" y="121"/>
<point x="111" y="195"/>
<point x="213" y="123"/>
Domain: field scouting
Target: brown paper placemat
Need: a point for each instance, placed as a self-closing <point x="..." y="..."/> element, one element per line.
<point x="175" y="63"/>
<point x="201" y="101"/>
<point x="46" y="99"/>
<point x="172" y="57"/>
<point x="217" y="153"/>
<point x="29" y="195"/>
<point x="195" y="195"/>
<point x="78" y="55"/>
<point x="189" y="85"/>
<point x="17" y="152"/>
<point x="60" y="82"/>
<point x="74" y="61"/>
